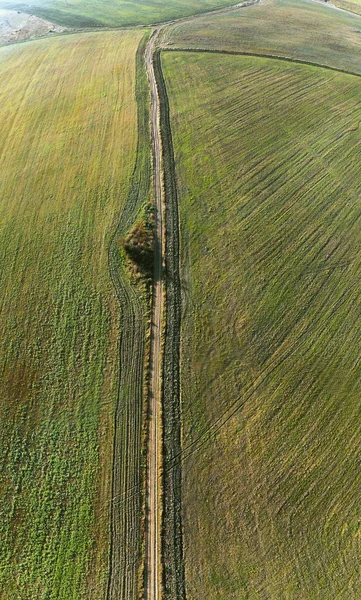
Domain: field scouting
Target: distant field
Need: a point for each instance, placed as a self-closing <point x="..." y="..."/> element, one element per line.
<point x="351" y="5"/>
<point x="95" y="13"/>
<point x="267" y="156"/>
<point x="68" y="133"/>
<point x="296" y="28"/>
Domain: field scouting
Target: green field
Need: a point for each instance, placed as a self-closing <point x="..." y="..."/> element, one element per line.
<point x="68" y="135"/>
<point x="297" y="29"/>
<point x="267" y="156"/>
<point x="97" y="13"/>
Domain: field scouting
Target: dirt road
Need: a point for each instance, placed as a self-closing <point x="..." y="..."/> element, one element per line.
<point x="153" y="542"/>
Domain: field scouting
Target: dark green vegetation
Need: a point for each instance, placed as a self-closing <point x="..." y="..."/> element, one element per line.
<point x="294" y="28"/>
<point x="139" y="244"/>
<point x="172" y="545"/>
<point x="68" y="132"/>
<point x="96" y="13"/>
<point x="267" y="156"/>
<point x="127" y="519"/>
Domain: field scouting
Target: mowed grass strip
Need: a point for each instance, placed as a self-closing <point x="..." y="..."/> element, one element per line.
<point x="68" y="134"/>
<point x="267" y="159"/>
<point x="299" y="29"/>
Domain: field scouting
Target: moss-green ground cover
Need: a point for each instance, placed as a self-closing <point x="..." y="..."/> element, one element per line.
<point x="68" y="132"/>
<point x="267" y="158"/>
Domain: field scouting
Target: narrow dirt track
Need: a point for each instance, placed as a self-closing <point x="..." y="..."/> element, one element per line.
<point x="153" y="542"/>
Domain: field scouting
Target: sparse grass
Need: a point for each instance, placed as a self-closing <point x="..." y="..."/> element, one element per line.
<point x="267" y="157"/>
<point x="294" y="28"/>
<point x="68" y="132"/>
<point x="93" y="13"/>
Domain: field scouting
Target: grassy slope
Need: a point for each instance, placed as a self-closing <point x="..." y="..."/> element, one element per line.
<point x="89" y="13"/>
<point x="293" y="28"/>
<point x="268" y="161"/>
<point x="67" y="149"/>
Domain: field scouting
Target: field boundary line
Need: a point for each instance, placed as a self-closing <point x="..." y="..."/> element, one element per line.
<point x="297" y="61"/>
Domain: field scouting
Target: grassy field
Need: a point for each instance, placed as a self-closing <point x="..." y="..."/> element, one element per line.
<point x="95" y="13"/>
<point x="267" y="157"/>
<point x="68" y="139"/>
<point x="297" y="29"/>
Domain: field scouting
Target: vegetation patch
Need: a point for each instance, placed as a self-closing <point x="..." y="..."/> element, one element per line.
<point x="139" y="245"/>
